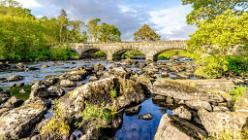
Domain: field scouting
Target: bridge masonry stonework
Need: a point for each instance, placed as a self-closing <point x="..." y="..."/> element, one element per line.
<point x="149" y="49"/>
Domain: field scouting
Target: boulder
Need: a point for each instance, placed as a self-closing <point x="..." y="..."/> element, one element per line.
<point x="19" y="122"/>
<point x="205" y="90"/>
<point x="4" y="96"/>
<point x="198" y="104"/>
<point x="13" y="102"/>
<point x="15" y="78"/>
<point x="147" y="116"/>
<point x="67" y="83"/>
<point x="168" y="131"/>
<point x="216" y="123"/>
<point x="182" y="113"/>
<point x="133" y="110"/>
<point x="119" y="72"/>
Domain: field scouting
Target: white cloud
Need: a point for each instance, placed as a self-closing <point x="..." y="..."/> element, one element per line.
<point x="171" y="22"/>
<point x="29" y="3"/>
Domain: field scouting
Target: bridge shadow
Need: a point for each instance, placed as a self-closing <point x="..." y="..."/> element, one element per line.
<point x="94" y="54"/>
<point x="128" y="54"/>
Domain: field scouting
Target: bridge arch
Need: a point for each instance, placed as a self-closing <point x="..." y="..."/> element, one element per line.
<point x="155" y="56"/>
<point x="150" y="49"/>
<point x="118" y="54"/>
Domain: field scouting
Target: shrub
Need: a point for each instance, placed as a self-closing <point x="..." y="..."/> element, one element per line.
<point x="57" y="125"/>
<point x="113" y="93"/>
<point x="238" y="92"/>
<point x="238" y="64"/>
<point x="62" y="53"/>
<point x="99" y="54"/>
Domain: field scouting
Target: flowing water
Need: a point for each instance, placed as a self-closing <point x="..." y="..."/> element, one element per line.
<point x="132" y="128"/>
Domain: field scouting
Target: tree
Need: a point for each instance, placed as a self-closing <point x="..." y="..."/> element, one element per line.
<point x="146" y="33"/>
<point x="10" y="3"/>
<point x="102" y="32"/>
<point x="109" y="33"/>
<point x="93" y="29"/>
<point x="209" y="9"/>
<point x="63" y="24"/>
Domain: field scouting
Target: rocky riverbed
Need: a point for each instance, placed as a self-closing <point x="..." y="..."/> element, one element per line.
<point x="118" y="100"/>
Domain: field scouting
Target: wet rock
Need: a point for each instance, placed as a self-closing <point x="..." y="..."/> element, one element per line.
<point x="164" y="75"/>
<point x="119" y="72"/>
<point x="44" y="66"/>
<point x="133" y="110"/>
<point x="15" y="78"/>
<point x="92" y="78"/>
<point x="194" y="89"/>
<point x="67" y="83"/>
<point x="4" y="96"/>
<point x="216" y="122"/>
<point x="13" y="102"/>
<point x="55" y="91"/>
<point x="147" y="116"/>
<point x="168" y="131"/>
<point x="182" y="113"/>
<point x="19" y="122"/>
<point x="21" y="66"/>
<point x="198" y="104"/>
<point x="39" y="90"/>
<point x="159" y="98"/>
<point x="220" y="109"/>
<point x="169" y="100"/>
<point x="98" y="67"/>
<point x="75" y="78"/>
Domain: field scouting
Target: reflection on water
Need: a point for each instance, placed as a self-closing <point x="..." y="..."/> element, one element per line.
<point x="136" y="129"/>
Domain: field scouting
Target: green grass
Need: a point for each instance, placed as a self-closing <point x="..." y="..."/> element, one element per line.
<point x="92" y="111"/>
<point x="238" y="92"/>
<point x="168" y="54"/>
<point x="99" y="54"/>
<point x="133" y="54"/>
<point x="238" y="64"/>
<point x="113" y="93"/>
<point x="15" y="91"/>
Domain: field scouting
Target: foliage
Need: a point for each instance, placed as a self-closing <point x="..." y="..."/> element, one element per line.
<point x="95" y="111"/>
<point x="133" y="54"/>
<point x="102" y="32"/>
<point x="146" y="33"/>
<point x="62" y="53"/>
<point x="113" y="93"/>
<point x="57" y="124"/>
<point x="238" y="92"/>
<point x="99" y="54"/>
<point x="168" y="54"/>
<point x="20" y="92"/>
<point x="209" y="9"/>
<point x="212" y="67"/>
<point x="217" y="38"/>
<point x="109" y="33"/>
<point x="238" y="64"/>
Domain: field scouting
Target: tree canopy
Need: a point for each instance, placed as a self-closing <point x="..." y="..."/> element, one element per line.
<point x="209" y="9"/>
<point x="102" y="32"/>
<point x="146" y="33"/>
<point x="222" y="28"/>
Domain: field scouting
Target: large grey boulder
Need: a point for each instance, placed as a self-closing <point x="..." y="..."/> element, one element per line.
<point x="216" y="123"/>
<point x="19" y="122"/>
<point x="168" y="131"/>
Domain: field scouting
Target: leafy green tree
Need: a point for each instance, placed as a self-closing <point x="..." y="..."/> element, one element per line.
<point x="102" y="32"/>
<point x="109" y="33"/>
<point x="63" y="23"/>
<point x="218" y="38"/>
<point x="146" y="33"/>
<point x="93" y="29"/>
<point x="209" y="9"/>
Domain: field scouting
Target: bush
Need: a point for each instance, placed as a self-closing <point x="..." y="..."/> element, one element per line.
<point x="238" y="64"/>
<point x="99" y="54"/>
<point x="168" y="54"/>
<point x="212" y="67"/>
<point x="133" y="54"/>
<point x="62" y="53"/>
<point x="238" y="92"/>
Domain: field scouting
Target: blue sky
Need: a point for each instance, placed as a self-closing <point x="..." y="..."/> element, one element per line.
<point x="167" y="17"/>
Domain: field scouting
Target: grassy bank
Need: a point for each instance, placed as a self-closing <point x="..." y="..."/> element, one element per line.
<point x="168" y="54"/>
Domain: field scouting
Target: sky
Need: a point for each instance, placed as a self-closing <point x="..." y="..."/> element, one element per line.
<point x="166" y="17"/>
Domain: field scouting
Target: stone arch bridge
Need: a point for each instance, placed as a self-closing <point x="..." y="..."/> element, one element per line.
<point x="149" y="49"/>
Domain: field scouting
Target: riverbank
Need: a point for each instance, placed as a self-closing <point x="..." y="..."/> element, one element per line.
<point x="87" y="100"/>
